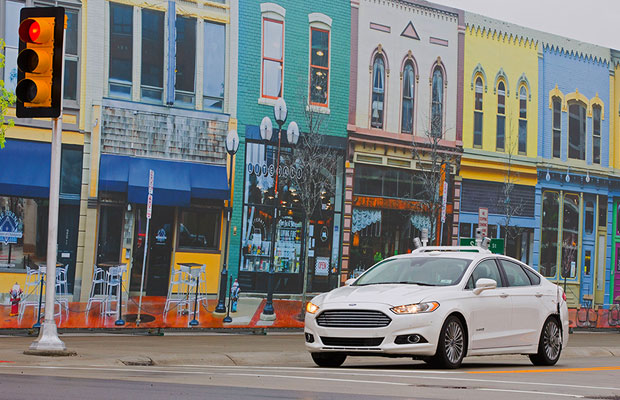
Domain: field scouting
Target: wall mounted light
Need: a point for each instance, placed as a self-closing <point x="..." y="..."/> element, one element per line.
<point x="567" y="179"/>
<point x="588" y="176"/>
<point x="548" y="176"/>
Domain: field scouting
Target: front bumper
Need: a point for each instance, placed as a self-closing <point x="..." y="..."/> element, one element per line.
<point x="427" y="325"/>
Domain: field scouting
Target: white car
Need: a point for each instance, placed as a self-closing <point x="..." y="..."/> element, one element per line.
<point x="440" y="304"/>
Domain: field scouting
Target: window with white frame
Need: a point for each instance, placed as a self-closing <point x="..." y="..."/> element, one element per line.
<point x="522" y="120"/>
<point x="378" y="92"/>
<point x="71" y="55"/>
<point x="408" y="98"/>
<point x="121" y="50"/>
<point x="272" y="58"/>
<point x="152" y="79"/>
<point x="184" y="87"/>
<point x="214" y="66"/>
<point x="437" y="102"/>
<point x="500" y="133"/>
<point x="478" y="115"/>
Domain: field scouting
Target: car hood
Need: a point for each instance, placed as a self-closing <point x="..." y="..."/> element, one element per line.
<point x="390" y="294"/>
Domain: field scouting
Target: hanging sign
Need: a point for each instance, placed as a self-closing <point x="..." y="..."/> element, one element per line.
<point x="149" y="199"/>
<point x="10" y="227"/>
<point x="444" y="201"/>
<point x="483" y="220"/>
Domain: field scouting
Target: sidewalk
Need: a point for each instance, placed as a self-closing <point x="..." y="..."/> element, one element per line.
<point x="273" y="349"/>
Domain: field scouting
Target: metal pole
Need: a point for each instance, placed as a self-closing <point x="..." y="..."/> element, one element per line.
<point x="228" y="319"/>
<point x="41" y="283"/>
<point x="194" y="322"/>
<point x="48" y="335"/>
<point x="120" y="320"/>
<point x="146" y="247"/>
<point x="221" y="304"/>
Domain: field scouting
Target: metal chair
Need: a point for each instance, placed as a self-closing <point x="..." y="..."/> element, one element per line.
<point x="176" y="291"/>
<point x="31" y="291"/>
<point x="99" y="279"/>
<point x="62" y="290"/>
<point x="113" y="281"/>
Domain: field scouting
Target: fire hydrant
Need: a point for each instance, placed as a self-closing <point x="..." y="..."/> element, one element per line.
<point x="234" y="293"/>
<point x="16" y="296"/>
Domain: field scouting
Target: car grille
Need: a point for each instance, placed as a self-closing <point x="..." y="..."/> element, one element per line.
<point x="353" y="319"/>
<point x="351" y="342"/>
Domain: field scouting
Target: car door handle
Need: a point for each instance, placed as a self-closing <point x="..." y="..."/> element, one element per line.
<point x="539" y="295"/>
<point x="503" y="295"/>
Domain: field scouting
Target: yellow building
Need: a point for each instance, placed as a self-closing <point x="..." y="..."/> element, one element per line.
<point x="500" y="125"/>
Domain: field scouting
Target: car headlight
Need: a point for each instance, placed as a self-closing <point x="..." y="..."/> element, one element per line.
<point x="416" y="308"/>
<point x="311" y="308"/>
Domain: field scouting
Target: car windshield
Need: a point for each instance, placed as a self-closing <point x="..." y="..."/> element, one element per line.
<point x="423" y="271"/>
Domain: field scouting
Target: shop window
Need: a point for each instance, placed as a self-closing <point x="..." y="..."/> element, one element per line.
<point x="437" y="102"/>
<point x="408" y="98"/>
<point x="152" y="78"/>
<point x="549" y="235"/>
<point x="273" y="58"/>
<point x="557" y="126"/>
<point x="71" y="171"/>
<point x="478" y="116"/>
<point x="199" y="229"/>
<point x="596" y="134"/>
<point x="378" y="92"/>
<point x="577" y="131"/>
<point x="214" y="66"/>
<point x="501" y="117"/>
<point x="71" y="56"/>
<point x="121" y="50"/>
<point x="319" y="67"/>
<point x="26" y="219"/>
<point x="589" y="217"/>
<point x="465" y="230"/>
<point x="110" y="233"/>
<point x="522" y="120"/>
<point x="184" y="84"/>
<point x="570" y="235"/>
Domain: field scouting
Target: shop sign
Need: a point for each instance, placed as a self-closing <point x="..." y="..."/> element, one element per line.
<point x="496" y="246"/>
<point x="284" y="171"/>
<point x="10" y="227"/>
<point x="321" y="267"/>
<point x="161" y="236"/>
<point x="483" y="220"/>
<point x="394" y="204"/>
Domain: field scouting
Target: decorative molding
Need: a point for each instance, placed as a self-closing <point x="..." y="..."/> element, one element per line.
<point x="438" y="41"/>
<point x="479" y="71"/>
<point x="321" y="18"/>
<point x="576" y="96"/>
<point x="555" y="92"/>
<point x="501" y="75"/>
<point x="380" y="27"/>
<point x="523" y="82"/>
<point x="597" y="101"/>
<point x="273" y="8"/>
<point x="410" y="32"/>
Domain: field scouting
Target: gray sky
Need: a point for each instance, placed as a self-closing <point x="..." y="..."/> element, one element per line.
<point x="594" y="21"/>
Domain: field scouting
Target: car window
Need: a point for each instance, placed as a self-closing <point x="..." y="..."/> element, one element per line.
<point x="534" y="278"/>
<point x="422" y="270"/>
<point x="515" y="275"/>
<point x="486" y="269"/>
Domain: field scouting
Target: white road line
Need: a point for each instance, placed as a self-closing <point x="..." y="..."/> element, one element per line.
<point x="317" y="369"/>
<point x="532" y="392"/>
<point x="331" y="371"/>
<point x="324" y="379"/>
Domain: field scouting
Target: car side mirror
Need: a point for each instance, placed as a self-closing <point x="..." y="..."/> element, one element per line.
<point x="349" y="281"/>
<point x="483" y="284"/>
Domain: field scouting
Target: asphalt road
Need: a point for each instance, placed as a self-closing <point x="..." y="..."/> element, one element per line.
<point x="363" y="378"/>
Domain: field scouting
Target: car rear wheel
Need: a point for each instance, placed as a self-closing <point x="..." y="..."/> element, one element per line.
<point x="451" y="345"/>
<point x="329" y="360"/>
<point x="549" y="345"/>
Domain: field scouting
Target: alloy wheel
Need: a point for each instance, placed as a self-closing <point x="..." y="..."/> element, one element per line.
<point x="453" y="342"/>
<point x="552" y="340"/>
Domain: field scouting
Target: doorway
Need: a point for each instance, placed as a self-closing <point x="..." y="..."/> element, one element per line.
<point x="159" y="254"/>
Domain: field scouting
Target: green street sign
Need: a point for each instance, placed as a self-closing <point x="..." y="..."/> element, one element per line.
<point x="496" y="246"/>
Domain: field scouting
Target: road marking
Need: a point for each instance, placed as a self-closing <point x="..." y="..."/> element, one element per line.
<point x="323" y="379"/>
<point x="529" y="371"/>
<point x="532" y="392"/>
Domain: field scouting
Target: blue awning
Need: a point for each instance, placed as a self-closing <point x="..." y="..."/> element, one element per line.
<point x="175" y="183"/>
<point x="25" y="168"/>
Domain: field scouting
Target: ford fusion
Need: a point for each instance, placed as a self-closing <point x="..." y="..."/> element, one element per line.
<point x="440" y="304"/>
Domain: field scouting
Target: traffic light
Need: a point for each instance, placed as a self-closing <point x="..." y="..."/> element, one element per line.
<point x="40" y="62"/>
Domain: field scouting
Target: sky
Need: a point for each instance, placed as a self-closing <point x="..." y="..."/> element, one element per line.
<point x="594" y="21"/>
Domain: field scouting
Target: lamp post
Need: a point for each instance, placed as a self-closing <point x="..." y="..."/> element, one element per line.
<point x="232" y="145"/>
<point x="280" y="113"/>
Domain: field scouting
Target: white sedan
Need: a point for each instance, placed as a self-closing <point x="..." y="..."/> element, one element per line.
<point x="440" y="304"/>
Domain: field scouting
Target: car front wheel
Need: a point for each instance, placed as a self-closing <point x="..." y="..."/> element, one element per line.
<point x="549" y="345"/>
<point x="329" y="360"/>
<point x="451" y="345"/>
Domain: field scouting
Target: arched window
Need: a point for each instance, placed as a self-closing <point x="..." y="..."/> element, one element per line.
<point x="522" y="120"/>
<point x="437" y="102"/>
<point x="408" y="92"/>
<point x="577" y="130"/>
<point x="478" y="113"/>
<point x="378" y="92"/>
<point x="596" y="134"/>
<point x="557" y="126"/>
<point x="501" y="116"/>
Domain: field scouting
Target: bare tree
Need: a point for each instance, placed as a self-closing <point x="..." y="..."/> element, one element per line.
<point x="508" y="203"/>
<point x="317" y="180"/>
<point x="433" y="161"/>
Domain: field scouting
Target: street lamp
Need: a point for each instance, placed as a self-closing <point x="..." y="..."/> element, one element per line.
<point x="280" y="113"/>
<point x="232" y="145"/>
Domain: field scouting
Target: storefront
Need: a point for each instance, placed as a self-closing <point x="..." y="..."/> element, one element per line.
<point x="574" y="239"/>
<point x="322" y="236"/>
<point x="24" y="198"/>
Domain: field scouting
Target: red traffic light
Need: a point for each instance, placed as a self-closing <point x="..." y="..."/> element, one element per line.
<point x="36" y="30"/>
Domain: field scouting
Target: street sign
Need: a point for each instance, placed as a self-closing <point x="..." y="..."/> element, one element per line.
<point x="151" y="180"/>
<point x="444" y="201"/>
<point x="496" y="246"/>
<point x="149" y="206"/>
<point x="483" y="220"/>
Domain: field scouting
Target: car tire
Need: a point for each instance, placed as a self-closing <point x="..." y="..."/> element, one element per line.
<point x="451" y="345"/>
<point x="328" y="360"/>
<point x="549" y="344"/>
